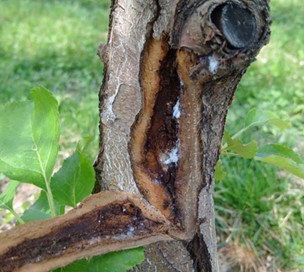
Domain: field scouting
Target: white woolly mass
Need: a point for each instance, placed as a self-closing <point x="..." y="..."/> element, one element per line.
<point x="213" y="64"/>
<point x="177" y="110"/>
<point x="172" y="157"/>
<point x="129" y="234"/>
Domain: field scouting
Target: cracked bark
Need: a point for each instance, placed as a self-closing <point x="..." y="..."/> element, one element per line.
<point x="171" y="70"/>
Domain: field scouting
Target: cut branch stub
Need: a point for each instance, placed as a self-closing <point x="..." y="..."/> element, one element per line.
<point x="237" y="24"/>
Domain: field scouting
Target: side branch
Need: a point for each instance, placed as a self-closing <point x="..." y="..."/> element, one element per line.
<point x="105" y="222"/>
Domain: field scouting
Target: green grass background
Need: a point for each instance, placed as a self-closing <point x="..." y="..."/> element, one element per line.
<point x="54" y="43"/>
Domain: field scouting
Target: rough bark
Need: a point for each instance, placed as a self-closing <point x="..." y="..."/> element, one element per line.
<point x="171" y="70"/>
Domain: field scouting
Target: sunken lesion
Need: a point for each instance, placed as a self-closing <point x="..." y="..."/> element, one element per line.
<point x="162" y="144"/>
<point x="154" y="139"/>
<point x="165" y="143"/>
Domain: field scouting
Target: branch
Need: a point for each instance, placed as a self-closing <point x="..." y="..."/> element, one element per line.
<point x="104" y="222"/>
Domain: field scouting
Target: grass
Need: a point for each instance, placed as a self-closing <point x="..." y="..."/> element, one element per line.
<point x="54" y="44"/>
<point x="256" y="203"/>
<point x="257" y="206"/>
<point x="260" y="210"/>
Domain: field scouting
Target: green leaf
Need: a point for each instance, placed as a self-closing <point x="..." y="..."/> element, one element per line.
<point x="258" y="117"/>
<point x="7" y="196"/>
<point x="120" y="261"/>
<point x="45" y="127"/>
<point x="239" y="149"/>
<point x="79" y="266"/>
<point x="280" y="150"/>
<point x="282" y="157"/>
<point x="74" y="181"/>
<point x="220" y="173"/>
<point x="29" y="135"/>
<point x="85" y="145"/>
<point x="40" y="209"/>
<point x="281" y="124"/>
<point x="17" y="159"/>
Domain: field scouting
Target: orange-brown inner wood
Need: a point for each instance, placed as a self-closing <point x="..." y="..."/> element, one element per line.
<point x="156" y="132"/>
<point x="168" y="184"/>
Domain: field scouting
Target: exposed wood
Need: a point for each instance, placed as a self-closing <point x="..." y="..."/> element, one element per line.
<point x="104" y="222"/>
<point x="171" y="70"/>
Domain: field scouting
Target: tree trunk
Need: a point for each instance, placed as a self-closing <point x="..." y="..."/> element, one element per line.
<point x="171" y="70"/>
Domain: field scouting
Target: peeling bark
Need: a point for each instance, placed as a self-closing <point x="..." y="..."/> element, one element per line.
<point x="171" y="70"/>
<point x="104" y="222"/>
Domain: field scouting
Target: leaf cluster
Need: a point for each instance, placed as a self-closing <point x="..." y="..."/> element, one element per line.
<point x="29" y="144"/>
<point x="275" y="154"/>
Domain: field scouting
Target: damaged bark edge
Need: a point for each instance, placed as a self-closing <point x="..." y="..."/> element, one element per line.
<point x="104" y="222"/>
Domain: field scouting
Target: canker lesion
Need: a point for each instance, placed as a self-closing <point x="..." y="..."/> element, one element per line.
<point x="165" y="144"/>
<point x="154" y="142"/>
<point x="122" y="218"/>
